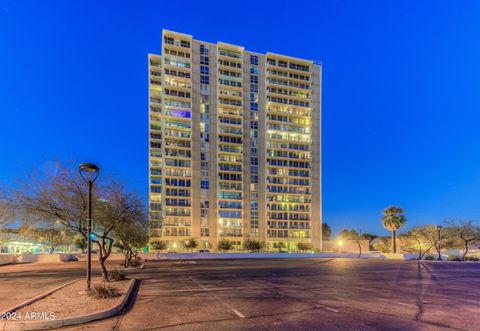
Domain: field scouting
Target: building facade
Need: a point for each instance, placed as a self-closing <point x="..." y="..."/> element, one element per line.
<point x="234" y="145"/>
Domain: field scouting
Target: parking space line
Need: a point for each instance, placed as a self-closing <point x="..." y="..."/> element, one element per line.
<point x="404" y="304"/>
<point x="239" y="314"/>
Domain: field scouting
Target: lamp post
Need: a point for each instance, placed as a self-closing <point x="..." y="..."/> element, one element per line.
<point x="89" y="173"/>
<point x="439" y="229"/>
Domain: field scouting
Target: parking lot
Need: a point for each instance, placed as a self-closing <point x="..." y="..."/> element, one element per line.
<point x="302" y="294"/>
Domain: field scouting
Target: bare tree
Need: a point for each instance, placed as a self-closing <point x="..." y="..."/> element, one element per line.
<point x="6" y="214"/>
<point x="420" y="240"/>
<point x="355" y="236"/>
<point x="60" y="196"/>
<point x="466" y="232"/>
<point x="130" y="237"/>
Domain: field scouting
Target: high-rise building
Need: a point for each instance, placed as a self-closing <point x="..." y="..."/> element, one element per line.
<point x="235" y="145"/>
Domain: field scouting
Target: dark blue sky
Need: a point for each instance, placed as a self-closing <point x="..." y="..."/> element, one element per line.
<point x="401" y="91"/>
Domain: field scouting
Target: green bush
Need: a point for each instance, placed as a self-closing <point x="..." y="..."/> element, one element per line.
<point x="454" y="258"/>
<point x="224" y="245"/>
<point x="430" y="257"/>
<point x="117" y="274"/>
<point x="253" y="245"/>
<point x="104" y="291"/>
<point x="472" y="258"/>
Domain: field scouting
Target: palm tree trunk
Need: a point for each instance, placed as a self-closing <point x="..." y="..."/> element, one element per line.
<point x="394" y="242"/>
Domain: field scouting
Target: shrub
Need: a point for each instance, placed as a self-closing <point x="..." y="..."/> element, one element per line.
<point x="225" y="245"/>
<point x="104" y="291"/>
<point x="279" y="245"/>
<point x="454" y="258"/>
<point x="158" y="245"/>
<point x="191" y="244"/>
<point x="135" y="263"/>
<point x="252" y="245"/>
<point x="117" y="274"/>
<point x="430" y="257"/>
<point x="472" y="258"/>
<point x="304" y="247"/>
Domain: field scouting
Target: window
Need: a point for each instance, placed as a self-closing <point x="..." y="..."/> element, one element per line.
<point x="204" y="59"/>
<point x="254" y="106"/>
<point x="203" y="50"/>
<point x="254" y="60"/>
<point x="204" y="184"/>
<point x="254" y="70"/>
<point x="204" y="70"/>
<point x="204" y="79"/>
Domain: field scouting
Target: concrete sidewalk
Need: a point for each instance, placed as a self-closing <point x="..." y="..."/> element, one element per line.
<point x="221" y="256"/>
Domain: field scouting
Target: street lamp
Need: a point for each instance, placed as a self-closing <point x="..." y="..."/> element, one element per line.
<point x="439" y="229"/>
<point x="89" y="173"/>
<point x="339" y="244"/>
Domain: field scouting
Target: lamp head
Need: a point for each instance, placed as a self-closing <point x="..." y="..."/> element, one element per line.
<point x="89" y="171"/>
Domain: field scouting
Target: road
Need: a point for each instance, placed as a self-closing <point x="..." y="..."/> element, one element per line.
<point x="302" y="294"/>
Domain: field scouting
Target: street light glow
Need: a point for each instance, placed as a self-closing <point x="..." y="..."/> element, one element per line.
<point x="339" y="242"/>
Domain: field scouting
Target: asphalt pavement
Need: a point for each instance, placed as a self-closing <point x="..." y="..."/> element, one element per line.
<point x="302" y="294"/>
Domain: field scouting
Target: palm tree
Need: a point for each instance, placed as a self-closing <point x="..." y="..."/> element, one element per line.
<point x="393" y="218"/>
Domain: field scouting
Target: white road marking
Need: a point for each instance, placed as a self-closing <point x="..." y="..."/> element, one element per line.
<point x="331" y="309"/>
<point x="239" y="314"/>
<point x="404" y="304"/>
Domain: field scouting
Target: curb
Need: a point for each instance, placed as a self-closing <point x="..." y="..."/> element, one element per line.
<point x="47" y="325"/>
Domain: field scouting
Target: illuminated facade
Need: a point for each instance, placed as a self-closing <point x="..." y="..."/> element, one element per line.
<point x="235" y="145"/>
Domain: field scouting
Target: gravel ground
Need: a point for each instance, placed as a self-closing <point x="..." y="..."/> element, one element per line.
<point x="21" y="282"/>
<point x="67" y="302"/>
